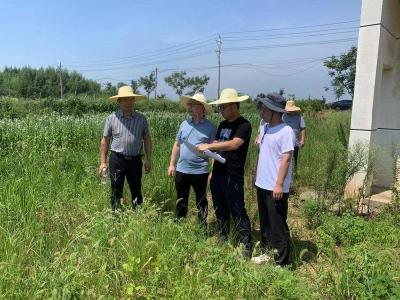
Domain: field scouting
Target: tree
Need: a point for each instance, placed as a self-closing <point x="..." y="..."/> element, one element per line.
<point x="109" y="89"/>
<point x="27" y="82"/>
<point x="179" y="82"/>
<point x="197" y="83"/>
<point x="148" y="83"/>
<point x="135" y="86"/>
<point x="342" y="71"/>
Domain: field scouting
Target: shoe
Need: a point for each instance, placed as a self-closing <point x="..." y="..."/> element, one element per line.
<point x="259" y="260"/>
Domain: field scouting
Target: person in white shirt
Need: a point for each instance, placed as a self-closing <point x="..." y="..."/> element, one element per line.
<point x="273" y="178"/>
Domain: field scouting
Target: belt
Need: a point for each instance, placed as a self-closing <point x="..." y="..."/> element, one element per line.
<point x="127" y="157"/>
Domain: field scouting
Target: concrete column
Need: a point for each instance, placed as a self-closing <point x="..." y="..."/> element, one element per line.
<point x="376" y="106"/>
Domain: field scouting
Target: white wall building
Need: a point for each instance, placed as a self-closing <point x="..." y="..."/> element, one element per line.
<point x="376" y="107"/>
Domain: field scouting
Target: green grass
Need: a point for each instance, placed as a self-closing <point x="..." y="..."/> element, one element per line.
<point x="59" y="239"/>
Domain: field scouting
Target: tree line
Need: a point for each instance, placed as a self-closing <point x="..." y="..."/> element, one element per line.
<point x="28" y="82"/>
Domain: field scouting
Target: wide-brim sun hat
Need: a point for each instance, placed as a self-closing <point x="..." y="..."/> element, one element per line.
<point x="291" y="106"/>
<point x="274" y="102"/>
<point x="198" y="97"/>
<point x="126" y="92"/>
<point x="229" y="96"/>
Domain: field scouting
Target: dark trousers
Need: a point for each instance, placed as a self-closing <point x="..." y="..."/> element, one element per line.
<point x="295" y="156"/>
<point x="274" y="229"/>
<point x="183" y="182"/>
<point x="131" y="168"/>
<point x="228" y="200"/>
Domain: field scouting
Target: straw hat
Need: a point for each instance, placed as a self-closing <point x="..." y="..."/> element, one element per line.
<point x="274" y="102"/>
<point x="199" y="97"/>
<point x="291" y="107"/>
<point x="229" y="96"/>
<point x="126" y="92"/>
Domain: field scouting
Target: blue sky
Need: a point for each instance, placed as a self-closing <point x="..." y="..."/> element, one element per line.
<point x="90" y="36"/>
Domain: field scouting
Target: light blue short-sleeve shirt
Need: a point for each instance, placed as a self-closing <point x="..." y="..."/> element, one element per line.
<point x="200" y="133"/>
<point x="296" y="121"/>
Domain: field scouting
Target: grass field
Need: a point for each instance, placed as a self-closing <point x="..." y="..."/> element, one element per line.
<point x="59" y="239"/>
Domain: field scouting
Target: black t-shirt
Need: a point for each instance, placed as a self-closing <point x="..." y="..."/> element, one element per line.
<point x="235" y="160"/>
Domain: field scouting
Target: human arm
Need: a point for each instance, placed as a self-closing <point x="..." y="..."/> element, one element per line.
<point x="148" y="147"/>
<point x="104" y="145"/>
<point x="302" y="137"/>
<point x="174" y="156"/>
<point x="283" y="170"/>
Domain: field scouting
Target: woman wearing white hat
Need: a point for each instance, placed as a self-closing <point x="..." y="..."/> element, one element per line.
<point x="192" y="170"/>
<point x="128" y="131"/>
<point x="227" y="179"/>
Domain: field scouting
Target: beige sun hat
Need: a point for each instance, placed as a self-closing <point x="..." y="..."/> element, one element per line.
<point x="229" y="96"/>
<point x="126" y="92"/>
<point x="291" y="107"/>
<point x="199" y="97"/>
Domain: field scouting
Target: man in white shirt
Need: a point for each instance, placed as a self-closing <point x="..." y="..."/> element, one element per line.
<point x="273" y="178"/>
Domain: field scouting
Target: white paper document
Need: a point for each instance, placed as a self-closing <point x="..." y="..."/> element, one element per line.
<point x="206" y="153"/>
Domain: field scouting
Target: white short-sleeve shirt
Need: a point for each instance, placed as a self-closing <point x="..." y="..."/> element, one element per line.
<point x="273" y="143"/>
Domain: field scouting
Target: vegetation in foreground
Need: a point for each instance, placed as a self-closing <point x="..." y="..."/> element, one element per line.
<point x="60" y="240"/>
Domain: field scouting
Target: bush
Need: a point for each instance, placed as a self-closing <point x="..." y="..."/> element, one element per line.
<point x="313" y="211"/>
<point x="76" y="106"/>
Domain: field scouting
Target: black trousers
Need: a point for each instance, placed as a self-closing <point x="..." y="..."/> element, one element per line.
<point x="295" y="156"/>
<point x="198" y="182"/>
<point x="228" y="200"/>
<point x="122" y="167"/>
<point x="274" y="229"/>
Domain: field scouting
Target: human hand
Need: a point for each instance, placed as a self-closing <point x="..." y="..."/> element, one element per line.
<point x="202" y="147"/>
<point x="147" y="166"/>
<point x="171" y="171"/>
<point x="102" y="166"/>
<point x="277" y="193"/>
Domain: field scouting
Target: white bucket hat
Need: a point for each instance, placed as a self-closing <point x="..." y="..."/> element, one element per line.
<point x="126" y="92"/>
<point x="229" y="96"/>
<point x="199" y="97"/>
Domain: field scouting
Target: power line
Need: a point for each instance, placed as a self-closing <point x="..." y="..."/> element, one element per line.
<point x="147" y="58"/>
<point x="192" y="45"/>
<point x="197" y="47"/>
<point x="149" y="63"/>
<point x="293" y="27"/>
<point x="170" y="48"/>
<point x="254" y="47"/>
<point x="292" y="35"/>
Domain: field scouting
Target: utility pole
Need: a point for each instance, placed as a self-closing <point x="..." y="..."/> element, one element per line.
<point x="61" y="84"/>
<point x="155" y="89"/>
<point x="218" y="51"/>
<point x="9" y="84"/>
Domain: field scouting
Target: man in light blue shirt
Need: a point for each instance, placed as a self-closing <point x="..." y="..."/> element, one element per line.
<point x="192" y="169"/>
<point x="294" y="119"/>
